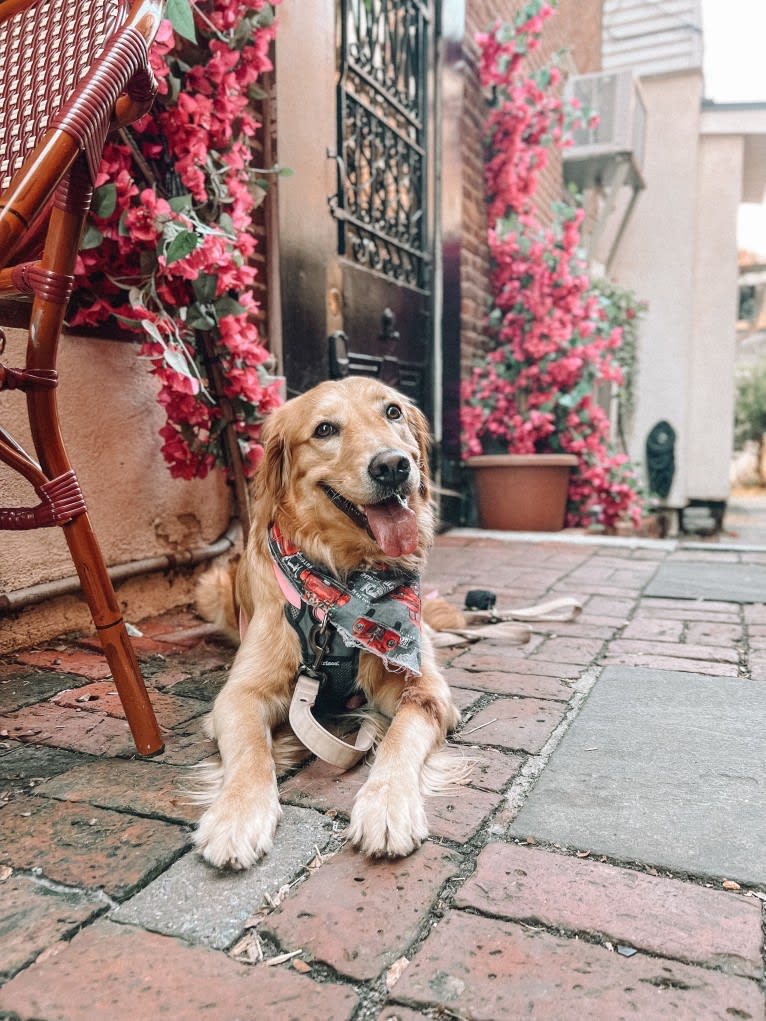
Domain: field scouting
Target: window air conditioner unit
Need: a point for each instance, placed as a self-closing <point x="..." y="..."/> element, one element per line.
<point x="613" y="98"/>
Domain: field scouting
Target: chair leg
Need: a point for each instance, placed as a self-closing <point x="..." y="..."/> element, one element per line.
<point x="50" y="297"/>
<point x="120" y="654"/>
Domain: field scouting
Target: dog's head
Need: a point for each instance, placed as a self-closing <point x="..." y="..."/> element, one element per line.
<point x="345" y="473"/>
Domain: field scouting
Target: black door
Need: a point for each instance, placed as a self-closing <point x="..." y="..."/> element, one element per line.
<point x="376" y="289"/>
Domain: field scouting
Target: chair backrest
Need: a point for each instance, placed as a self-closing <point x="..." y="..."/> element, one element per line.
<point x="45" y="52"/>
<point x="70" y="69"/>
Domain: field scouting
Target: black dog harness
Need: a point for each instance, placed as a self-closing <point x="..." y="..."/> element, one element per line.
<point x="376" y="611"/>
<point x="338" y="664"/>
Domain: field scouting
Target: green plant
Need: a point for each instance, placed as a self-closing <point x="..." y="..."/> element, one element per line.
<point x="625" y="310"/>
<point x="170" y="246"/>
<point x="750" y="406"/>
<point x="553" y="337"/>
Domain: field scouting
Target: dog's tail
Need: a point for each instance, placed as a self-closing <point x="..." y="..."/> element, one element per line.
<point x="215" y="599"/>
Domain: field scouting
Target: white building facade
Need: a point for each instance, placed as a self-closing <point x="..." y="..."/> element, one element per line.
<point x="675" y="244"/>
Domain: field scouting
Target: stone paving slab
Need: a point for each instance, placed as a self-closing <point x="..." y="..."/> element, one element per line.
<point x="359" y="916"/>
<point x="155" y="789"/>
<point x="523" y="724"/>
<point x="102" y="697"/>
<point x="487" y="970"/>
<point x="663" y="916"/>
<point x="502" y="683"/>
<point x="116" y="973"/>
<point x="26" y="767"/>
<point x="210" y="906"/>
<point x="32" y="916"/>
<point x="83" y="846"/>
<point x="60" y="727"/>
<point x="26" y="688"/>
<point x="709" y="579"/>
<point x="663" y="767"/>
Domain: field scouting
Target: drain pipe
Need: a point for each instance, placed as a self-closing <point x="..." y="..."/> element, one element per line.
<point x="24" y="597"/>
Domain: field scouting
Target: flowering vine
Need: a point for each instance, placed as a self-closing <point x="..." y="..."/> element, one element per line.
<point x="552" y="337"/>
<point x="170" y="242"/>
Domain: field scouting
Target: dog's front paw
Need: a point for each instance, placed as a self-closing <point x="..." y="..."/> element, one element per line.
<point x="236" y="831"/>
<point x="388" y="821"/>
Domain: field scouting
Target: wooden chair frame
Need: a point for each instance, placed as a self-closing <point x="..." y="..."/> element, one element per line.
<point x="49" y="198"/>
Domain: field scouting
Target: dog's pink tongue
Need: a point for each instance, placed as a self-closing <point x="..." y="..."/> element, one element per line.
<point x="394" y="526"/>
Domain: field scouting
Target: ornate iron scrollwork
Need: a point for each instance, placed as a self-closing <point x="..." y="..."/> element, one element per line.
<point x="382" y="138"/>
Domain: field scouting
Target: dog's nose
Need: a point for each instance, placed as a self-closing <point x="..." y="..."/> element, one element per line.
<point x="390" y="468"/>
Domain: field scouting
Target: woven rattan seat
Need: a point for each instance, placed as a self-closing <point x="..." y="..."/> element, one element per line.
<point x="72" y="70"/>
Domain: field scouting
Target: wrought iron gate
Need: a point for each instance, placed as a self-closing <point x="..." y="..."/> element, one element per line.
<point x="384" y="128"/>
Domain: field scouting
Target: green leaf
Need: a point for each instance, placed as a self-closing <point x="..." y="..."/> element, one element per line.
<point x="226" y="224"/>
<point x="92" y="237"/>
<point x="286" y="171"/>
<point x="265" y="17"/>
<point x="178" y="362"/>
<point x="179" y="14"/>
<point x="174" y="88"/>
<point x="228" y="306"/>
<point x="104" y="200"/>
<point x="183" y="244"/>
<point x="204" y="287"/>
<point x="178" y="203"/>
<point x="153" y="332"/>
<point x="199" y="319"/>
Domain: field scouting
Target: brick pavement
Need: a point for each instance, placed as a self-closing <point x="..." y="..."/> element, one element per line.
<point x="106" y="912"/>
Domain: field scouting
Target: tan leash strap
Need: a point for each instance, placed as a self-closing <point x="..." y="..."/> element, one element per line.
<point x="562" y="609"/>
<point x="447" y="625"/>
<point x="313" y="735"/>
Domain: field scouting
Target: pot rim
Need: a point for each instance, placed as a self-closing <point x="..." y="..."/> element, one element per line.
<point x="521" y="460"/>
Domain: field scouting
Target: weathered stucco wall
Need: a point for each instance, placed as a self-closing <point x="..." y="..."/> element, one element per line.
<point x="712" y="385"/>
<point x="110" y="420"/>
<point x="679" y="253"/>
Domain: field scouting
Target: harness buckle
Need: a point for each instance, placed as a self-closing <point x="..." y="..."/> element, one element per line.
<point x="319" y="641"/>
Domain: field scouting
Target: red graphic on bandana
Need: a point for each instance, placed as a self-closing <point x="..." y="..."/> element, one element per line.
<point x="286" y="547"/>
<point x="321" y="592"/>
<point x="375" y="636"/>
<point x="409" y="596"/>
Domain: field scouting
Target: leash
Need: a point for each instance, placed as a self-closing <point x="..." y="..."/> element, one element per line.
<point x="453" y="627"/>
<point x="307" y="728"/>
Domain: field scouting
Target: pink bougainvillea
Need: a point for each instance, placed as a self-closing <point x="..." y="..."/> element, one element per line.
<point x="169" y="247"/>
<point x="552" y="340"/>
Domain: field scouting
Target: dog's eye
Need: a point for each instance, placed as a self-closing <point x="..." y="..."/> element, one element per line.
<point x="393" y="411"/>
<point x="325" y="429"/>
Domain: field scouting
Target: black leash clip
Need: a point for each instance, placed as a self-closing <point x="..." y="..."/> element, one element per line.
<point x="319" y="640"/>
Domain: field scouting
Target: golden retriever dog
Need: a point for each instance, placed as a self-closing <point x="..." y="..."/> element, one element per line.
<point x="343" y="483"/>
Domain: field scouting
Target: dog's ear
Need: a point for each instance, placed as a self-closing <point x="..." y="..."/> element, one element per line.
<point x="273" y="470"/>
<point x="421" y="430"/>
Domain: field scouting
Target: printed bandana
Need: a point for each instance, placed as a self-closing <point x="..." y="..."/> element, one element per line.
<point x="375" y="610"/>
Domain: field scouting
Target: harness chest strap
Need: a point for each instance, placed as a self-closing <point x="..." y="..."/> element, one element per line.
<point x="315" y="737"/>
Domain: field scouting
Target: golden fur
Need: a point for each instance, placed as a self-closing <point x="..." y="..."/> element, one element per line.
<point x="388" y="818"/>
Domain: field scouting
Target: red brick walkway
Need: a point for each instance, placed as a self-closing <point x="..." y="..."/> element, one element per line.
<point x="473" y="925"/>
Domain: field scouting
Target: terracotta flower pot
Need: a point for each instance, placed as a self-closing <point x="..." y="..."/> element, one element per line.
<point x="522" y="492"/>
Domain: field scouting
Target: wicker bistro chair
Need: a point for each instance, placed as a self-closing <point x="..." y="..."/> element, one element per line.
<point x="71" y="71"/>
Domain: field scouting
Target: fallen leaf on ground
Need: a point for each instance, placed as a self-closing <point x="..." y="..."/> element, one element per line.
<point x="249" y="949"/>
<point x="281" y="958"/>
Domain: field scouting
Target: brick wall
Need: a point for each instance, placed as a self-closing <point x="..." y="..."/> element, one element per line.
<point x="576" y="27"/>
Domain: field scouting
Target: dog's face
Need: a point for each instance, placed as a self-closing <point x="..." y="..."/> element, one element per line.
<point x="345" y="473"/>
